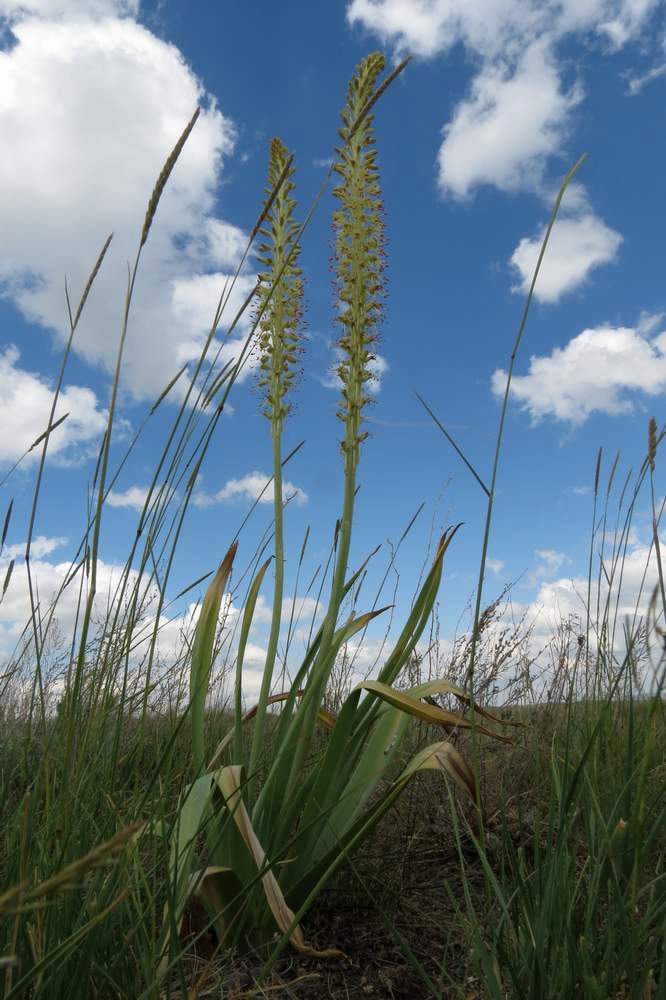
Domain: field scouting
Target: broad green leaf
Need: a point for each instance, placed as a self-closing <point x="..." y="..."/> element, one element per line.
<point x="327" y="784"/>
<point x="441" y="756"/>
<point x="190" y="817"/>
<point x="274" y="796"/>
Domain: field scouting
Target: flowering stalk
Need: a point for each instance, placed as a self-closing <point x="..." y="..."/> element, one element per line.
<point x="280" y="296"/>
<point x="359" y="265"/>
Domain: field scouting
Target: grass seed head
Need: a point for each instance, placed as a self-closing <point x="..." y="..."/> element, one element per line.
<point x="165" y="173"/>
<point x="652" y="442"/>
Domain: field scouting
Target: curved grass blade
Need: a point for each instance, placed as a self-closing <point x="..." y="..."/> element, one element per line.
<point x="202" y="651"/>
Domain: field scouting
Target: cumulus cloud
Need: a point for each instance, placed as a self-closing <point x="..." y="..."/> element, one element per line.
<point x="67" y="8"/>
<point x="490" y="27"/>
<point x="133" y="498"/>
<point x="504" y="132"/>
<point x="517" y="113"/>
<point x="495" y="565"/>
<point x="174" y="630"/>
<point x="548" y="563"/>
<point x="39" y="547"/>
<point x="557" y="614"/>
<point x="25" y="406"/>
<point x="601" y="370"/>
<point x="48" y="580"/>
<point x="92" y="103"/>
<point x="576" y="247"/>
<point x="431" y="27"/>
<point x="253" y="486"/>
<point x="305" y="609"/>
<point x="563" y="598"/>
<point x="194" y="301"/>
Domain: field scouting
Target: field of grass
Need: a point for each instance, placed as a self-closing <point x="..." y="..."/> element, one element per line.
<point x="160" y="837"/>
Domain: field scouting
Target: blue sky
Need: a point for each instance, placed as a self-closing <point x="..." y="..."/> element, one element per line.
<point x="473" y="139"/>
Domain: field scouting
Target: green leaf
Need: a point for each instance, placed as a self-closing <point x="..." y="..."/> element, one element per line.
<point x="191" y="813"/>
<point x="202" y="653"/>
<point x="248" y="615"/>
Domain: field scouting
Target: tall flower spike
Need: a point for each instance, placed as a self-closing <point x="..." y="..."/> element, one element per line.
<point x="280" y="304"/>
<point x="280" y="289"/>
<point x="359" y="247"/>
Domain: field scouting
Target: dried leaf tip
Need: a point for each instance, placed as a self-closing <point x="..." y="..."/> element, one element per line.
<point x="164" y="176"/>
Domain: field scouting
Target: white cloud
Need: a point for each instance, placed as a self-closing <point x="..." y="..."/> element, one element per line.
<point x="48" y="578"/>
<point x="562" y="601"/>
<point x="504" y="132"/>
<point x="174" y="631"/>
<point x="377" y="367"/>
<point x="636" y="83"/>
<point x="495" y="565"/>
<point x="548" y="563"/>
<point x="71" y="9"/>
<point x="561" y="598"/>
<point x="194" y="301"/>
<point x="626" y="20"/>
<point x="648" y="322"/>
<point x="84" y="163"/>
<point x="25" y="406"/>
<point x="226" y="243"/>
<point x="134" y="498"/>
<point x="39" y="547"/>
<point x="253" y="486"/>
<point x="489" y="27"/>
<point x="430" y="27"/>
<point x="305" y="609"/>
<point x="517" y="113"/>
<point x="576" y="246"/>
<point x="595" y="372"/>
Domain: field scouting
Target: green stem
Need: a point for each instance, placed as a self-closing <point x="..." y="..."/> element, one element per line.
<point x="500" y="428"/>
<point x="267" y="678"/>
<point x="73" y="694"/>
<point x="312" y="699"/>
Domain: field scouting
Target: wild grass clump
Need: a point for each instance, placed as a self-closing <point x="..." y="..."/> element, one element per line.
<point x="160" y="833"/>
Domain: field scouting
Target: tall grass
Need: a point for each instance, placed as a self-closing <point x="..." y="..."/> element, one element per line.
<point x="153" y="831"/>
